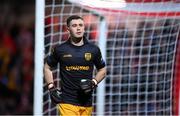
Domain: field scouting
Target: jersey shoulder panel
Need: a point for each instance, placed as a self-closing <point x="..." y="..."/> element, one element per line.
<point x="61" y="46"/>
<point x="93" y="46"/>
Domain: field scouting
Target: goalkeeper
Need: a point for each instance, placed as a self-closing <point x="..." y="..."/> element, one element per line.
<point x="77" y="58"/>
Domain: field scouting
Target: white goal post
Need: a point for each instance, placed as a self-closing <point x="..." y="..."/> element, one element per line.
<point x="39" y="58"/>
<point x="139" y="43"/>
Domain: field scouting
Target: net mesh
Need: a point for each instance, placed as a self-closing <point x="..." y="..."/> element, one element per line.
<point x="140" y="55"/>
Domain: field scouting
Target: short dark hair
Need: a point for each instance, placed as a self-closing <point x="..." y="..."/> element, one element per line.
<point x="72" y="17"/>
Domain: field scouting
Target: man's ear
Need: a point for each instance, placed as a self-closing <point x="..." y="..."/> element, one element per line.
<point x="67" y="29"/>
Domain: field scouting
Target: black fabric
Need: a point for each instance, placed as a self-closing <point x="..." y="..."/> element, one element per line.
<point x="76" y="63"/>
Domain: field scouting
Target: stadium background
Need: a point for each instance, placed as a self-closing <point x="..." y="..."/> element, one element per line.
<point x="16" y="56"/>
<point x="17" y="22"/>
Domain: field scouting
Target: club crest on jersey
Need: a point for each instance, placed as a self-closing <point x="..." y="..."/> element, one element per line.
<point x="87" y="56"/>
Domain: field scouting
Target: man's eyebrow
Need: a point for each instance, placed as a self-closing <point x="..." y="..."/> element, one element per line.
<point x="78" y="24"/>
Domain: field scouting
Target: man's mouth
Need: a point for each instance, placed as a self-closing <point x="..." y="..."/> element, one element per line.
<point x="78" y="33"/>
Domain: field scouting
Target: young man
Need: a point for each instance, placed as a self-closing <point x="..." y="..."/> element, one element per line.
<point x="77" y="58"/>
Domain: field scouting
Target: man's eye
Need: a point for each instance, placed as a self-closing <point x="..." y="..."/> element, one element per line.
<point x="80" y="25"/>
<point x="74" y="25"/>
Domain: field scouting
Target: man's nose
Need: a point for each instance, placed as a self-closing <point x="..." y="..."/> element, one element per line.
<point x="78" y="28"/>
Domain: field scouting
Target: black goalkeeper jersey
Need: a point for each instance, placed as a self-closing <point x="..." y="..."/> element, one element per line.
<point x="76" y="63"/>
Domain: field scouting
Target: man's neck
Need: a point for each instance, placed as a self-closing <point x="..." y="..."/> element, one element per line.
<point x="77" y="43"/>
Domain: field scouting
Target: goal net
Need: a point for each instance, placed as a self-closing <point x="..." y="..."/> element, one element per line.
<point x="140" y="39"/>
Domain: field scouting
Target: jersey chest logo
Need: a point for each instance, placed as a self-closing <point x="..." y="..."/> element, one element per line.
<point x="87" y="56"/>
<point x="67" y="56"/>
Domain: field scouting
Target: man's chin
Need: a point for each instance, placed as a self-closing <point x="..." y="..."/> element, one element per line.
<point x="79" y="37"/>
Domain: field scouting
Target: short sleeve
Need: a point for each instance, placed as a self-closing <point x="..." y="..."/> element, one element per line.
<point x="52" y="59"/>
<point x="98" y="60"/>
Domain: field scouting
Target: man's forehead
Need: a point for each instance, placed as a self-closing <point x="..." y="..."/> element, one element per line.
<point x="76" y="21"/>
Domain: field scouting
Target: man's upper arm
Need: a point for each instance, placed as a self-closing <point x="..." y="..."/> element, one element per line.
<point x="98" y="60"/>
<point x="52" y="59"/>
<point x="46" y="66"/>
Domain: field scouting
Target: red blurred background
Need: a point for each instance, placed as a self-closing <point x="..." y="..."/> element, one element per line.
<point x="16" y="56"/>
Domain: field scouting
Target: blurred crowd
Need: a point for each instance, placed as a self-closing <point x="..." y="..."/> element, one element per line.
<point x="16" y="57"/>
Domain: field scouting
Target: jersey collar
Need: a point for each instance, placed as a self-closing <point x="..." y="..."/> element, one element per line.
<point x="84" y="39"/>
